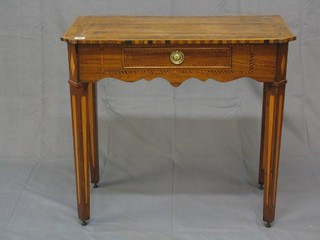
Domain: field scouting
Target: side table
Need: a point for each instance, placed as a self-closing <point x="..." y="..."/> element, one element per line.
<point x="223" y="48"/>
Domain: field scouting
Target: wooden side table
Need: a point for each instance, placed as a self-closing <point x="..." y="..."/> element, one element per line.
<point x="223" y="48"/>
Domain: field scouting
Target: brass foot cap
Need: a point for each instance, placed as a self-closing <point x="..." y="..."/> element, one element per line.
<point x="84" y="223"/>
<point x="268" y="225"/>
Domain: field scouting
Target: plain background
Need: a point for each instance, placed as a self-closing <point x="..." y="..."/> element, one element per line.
<point x="176" y="163"/>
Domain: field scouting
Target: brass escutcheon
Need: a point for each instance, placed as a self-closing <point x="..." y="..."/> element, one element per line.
<point x="177" y="57"/>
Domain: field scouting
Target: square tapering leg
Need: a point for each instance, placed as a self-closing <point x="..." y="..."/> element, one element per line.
<point x="93" y="133"/>
<point x="274" y="94"/>
<point x="80" y="140"/>
<point x="273" y="119"/>
<point x="80" y="127"/>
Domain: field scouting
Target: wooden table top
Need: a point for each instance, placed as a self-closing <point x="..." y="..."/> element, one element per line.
<point x="178" y="30"/>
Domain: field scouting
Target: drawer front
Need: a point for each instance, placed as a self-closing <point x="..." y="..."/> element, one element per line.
<point x="177" y="57"/>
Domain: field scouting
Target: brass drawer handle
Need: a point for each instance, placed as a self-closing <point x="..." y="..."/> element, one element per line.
<point x="177" y="57"/>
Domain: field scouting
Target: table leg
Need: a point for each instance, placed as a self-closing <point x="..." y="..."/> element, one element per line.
<point x="93" y="134"/>
<point x="262" y="143"/>
<point x="80" y="124"/>
<point x="272" y="137"/>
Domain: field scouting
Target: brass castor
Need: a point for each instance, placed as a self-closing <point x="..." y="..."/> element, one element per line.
<point x="268" y="225"/>
<point x="95" y="185"/>
<point x="261" y="186"/>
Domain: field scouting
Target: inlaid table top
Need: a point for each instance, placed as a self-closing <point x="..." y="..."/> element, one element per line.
<point x="178" y="30"/>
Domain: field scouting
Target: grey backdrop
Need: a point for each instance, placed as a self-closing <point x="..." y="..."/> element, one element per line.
<point x="176" y="163"/>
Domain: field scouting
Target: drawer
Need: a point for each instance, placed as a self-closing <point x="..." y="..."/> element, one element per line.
<point x="177" y="57"/>
<point x="223" y="62"/>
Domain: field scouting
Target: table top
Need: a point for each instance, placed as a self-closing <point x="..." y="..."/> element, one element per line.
<point x="178" y="30"/>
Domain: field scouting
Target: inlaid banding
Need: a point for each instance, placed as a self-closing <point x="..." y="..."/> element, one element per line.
<point x="276" y="168"/>
<point x="75" y="137"/>
<point x="85" y="145"/>
<point x="269" y="150"/>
